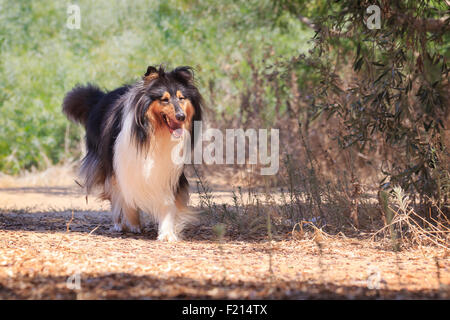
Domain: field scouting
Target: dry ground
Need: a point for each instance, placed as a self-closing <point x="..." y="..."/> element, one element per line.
<point x="42" y="246"/>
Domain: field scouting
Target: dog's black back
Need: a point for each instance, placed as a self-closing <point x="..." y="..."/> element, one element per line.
<point x="101" y="114"/>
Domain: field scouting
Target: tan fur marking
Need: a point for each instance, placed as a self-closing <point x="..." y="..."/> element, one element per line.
<point x="181" y="199"/>
<point x="166" y="95"/>
<point x="132" y="216"/>
<point x="179" y="94"/>
<point x="189" y="110"/>
<point x="150" y="77"/>
<point x="157" y="108"/>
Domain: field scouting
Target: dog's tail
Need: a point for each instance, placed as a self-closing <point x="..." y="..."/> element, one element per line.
<point x="79" y="101"/>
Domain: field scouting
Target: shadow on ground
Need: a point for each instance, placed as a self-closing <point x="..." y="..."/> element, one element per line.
<point x="96" y="222"/>
<point x="36" y="284"/>
<point x="54" y="191"/>
<point x="129" y="286"/>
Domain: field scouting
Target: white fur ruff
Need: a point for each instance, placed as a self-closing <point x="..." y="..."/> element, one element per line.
<point x="146" y="181"/>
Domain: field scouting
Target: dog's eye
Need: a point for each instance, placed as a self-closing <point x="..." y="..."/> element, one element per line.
<point x="165" y="100"/>
<point x="181" y="98"/>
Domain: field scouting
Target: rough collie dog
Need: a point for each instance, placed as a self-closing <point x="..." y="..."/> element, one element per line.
<point x="130" y="134"/>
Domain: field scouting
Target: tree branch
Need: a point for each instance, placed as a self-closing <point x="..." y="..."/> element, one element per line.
<point x="308" y="22"/>
<point x="431" y="25"/>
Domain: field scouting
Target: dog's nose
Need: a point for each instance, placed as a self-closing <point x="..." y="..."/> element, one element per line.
<point x="180" y="116"/>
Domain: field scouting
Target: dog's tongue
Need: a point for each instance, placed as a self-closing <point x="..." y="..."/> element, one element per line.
<point x="177" y="132"/>
<point x="175" y="128"/>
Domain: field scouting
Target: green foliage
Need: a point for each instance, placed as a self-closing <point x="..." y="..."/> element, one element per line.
<point x="395" y="97"/>
<point x="41" y="59"/>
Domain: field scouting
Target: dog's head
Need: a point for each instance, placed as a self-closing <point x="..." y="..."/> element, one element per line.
<point x="169" y="102"/>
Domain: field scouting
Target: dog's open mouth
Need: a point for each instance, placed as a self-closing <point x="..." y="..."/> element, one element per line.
<point x="175" y="127"/>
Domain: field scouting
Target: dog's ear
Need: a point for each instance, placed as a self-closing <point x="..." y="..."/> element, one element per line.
<point x="151" y="74"/>
<point x="185" y="74"/>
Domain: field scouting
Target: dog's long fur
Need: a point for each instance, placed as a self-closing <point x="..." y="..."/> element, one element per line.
<point x="130" y="134"/>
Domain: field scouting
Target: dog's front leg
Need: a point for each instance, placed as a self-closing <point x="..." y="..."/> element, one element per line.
<point x="167" y="226"/>
<point x="125" y="218"/>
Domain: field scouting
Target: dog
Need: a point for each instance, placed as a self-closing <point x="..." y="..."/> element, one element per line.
<point x="130" y="134"/>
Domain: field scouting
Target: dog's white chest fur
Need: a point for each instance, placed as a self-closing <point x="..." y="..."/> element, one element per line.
<point x="147" y="179"/>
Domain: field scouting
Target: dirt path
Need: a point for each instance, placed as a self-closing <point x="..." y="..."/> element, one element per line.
<point x="42" y="258"/>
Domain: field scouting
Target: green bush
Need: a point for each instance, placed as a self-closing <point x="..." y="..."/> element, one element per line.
<point x="41" y="59"/>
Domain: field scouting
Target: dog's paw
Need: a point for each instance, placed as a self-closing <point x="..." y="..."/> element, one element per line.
<point x="126" y="228"/>
<point x="116" y="228"/>
<point x="168" y="237"/>
<point x="133" y="229"/>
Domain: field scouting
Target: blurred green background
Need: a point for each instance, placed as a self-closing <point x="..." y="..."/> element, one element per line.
<point x="41" y="59"/>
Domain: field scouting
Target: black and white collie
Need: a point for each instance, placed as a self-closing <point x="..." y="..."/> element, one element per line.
<point x="130" y="134"/>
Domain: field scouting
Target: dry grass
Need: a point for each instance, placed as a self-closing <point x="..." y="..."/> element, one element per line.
<point x="62" y="175"/>
<point x="37" y="263"/>
<point x="225" y="255"/>
<point x="408" y="227"/>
